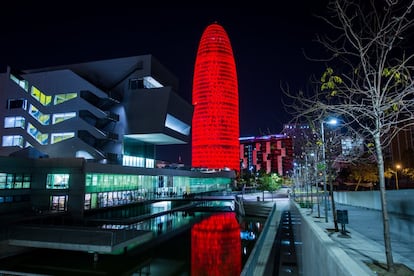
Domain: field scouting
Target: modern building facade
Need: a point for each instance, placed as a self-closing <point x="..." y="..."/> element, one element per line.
<point x="83" y="136"/>
<point x="75" y="186"/>
<point x="270" y="153"/>
<point x="110" y="111"/>
<point x="215" y="127"/>
<point x="303" y="138"/>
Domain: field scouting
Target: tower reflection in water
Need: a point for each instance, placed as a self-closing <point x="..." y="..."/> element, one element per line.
<point x="216" y="246"/>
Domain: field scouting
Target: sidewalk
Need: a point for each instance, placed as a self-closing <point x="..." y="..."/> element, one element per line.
<point x="364" y="239"/>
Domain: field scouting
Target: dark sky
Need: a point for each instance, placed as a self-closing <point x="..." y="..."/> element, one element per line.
<point x="267" y="44"/>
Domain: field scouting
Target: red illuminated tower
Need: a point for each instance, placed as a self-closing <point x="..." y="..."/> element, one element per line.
<point x="215" y="127"/>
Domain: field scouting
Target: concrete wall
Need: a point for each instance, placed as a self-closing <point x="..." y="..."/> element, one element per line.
<point x="320" y="254"/>
<point x="398" y="201"/>
<point x="400" y="206"/>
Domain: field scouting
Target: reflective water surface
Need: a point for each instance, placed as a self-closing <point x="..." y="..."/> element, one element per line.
<point x="184" y="243"/>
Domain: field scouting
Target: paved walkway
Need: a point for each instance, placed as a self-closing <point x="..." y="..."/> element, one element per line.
<point x="364" y="238"/>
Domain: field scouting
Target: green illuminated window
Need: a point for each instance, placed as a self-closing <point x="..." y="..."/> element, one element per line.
<point x="14" y="181"/>
<point x="44" y="119"/>
<point x="42" y="138"/>
<point x="3" y="177"/>
<point x="59" y="137"/>
<point x="60" y="117"/>
<point x="60" y="98"/>
<point x="40" y="96"/>
<point x="57" y="181"/>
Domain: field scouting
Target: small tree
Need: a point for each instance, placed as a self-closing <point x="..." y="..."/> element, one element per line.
<point x="371" y="88"/>
<point x="270" y="182"/>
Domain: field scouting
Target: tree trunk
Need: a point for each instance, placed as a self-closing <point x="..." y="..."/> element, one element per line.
<point x="385" y="219"/>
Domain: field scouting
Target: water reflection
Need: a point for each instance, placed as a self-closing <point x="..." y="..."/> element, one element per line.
<point x="215" y="246"/>
<point x="210" y="244"/>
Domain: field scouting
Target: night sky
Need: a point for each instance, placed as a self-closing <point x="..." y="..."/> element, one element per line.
<point x="267" y="44"/>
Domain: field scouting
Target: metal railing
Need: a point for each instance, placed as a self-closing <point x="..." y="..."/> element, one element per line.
<point x="258" y="256"/>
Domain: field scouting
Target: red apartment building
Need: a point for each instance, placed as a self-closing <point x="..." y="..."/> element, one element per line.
<point x="271" y="153"/>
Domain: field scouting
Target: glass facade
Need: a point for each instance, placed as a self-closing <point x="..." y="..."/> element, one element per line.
<point x="106" y="190"/>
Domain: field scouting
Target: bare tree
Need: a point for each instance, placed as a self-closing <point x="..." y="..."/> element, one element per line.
<point x="368" y="81"/>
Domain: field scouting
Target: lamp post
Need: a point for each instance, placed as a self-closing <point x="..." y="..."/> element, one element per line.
<point x="397" y="167"/>
<point x="325" y="178"/>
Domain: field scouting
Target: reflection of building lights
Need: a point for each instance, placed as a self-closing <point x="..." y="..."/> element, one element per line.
<point x="215" y="246"/>
<point x="247" y="235"/>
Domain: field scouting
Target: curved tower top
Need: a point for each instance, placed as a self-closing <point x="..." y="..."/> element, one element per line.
<point x="215" y="127"/>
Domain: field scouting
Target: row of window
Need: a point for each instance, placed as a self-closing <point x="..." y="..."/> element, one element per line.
<point x="135" y="161"/>
<point x="40" y="96"/>
<point x="15" y="181"/>
<point x="42" y="138"/>
<point x="44" y="119"/>
<point x="14" y="199"/>
<point x="23" y="181"/>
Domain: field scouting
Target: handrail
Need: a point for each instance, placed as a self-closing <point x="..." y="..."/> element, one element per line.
<point x="259" y="254"/>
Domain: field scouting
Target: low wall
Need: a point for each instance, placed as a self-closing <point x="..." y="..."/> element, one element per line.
<point x="258" y="260"/>
<point x="319" y="253"/>
<point x="398" y="201"/>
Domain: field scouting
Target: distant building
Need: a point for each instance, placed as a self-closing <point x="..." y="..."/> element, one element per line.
<point x="270" y="153"/>
<point x="215" y="127"/>
<point x="401" y="150"/>
<point x="303" y="138"/>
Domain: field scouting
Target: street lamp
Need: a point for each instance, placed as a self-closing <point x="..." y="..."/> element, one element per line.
<point x="332" y="121"/>
<point x="397" y="167"/>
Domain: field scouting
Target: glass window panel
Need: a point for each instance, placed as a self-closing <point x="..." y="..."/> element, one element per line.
<point x="59" y="137"/>
<point x="10" y="122"/>
<point x="40" y="137"/>
<point x="60" y="117"/>
<point x="12" y="140"/>
<point x="60" y="98"/>
<point x="57" y="181"/>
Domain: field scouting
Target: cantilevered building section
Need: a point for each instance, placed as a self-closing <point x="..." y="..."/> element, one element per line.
<point x="108" y="111"/>
<point x="215" y="127"/>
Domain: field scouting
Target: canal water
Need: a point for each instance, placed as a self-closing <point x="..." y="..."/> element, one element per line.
<point x="185" y="243"/>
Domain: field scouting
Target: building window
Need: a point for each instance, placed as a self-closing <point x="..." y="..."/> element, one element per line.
<point x="146" y="82"/>
<point x="44" y="119"/>
<point x="58" y="203"/>
<point x="60" y="117"/>
<point x="12" y="140"/>
<point x="17" y="103"/>
<point x="40" y="96"/>
<point x="59" y="137"/>
<point x="15" y="181"/>
<point x="40" y="137"/>
<point x="60" y="98"/>
<point x="177" y="125"/>
<point x="57" y="181"/>
<point x="10" y="122"/>
<point x="22" y="83"/>
<point x="136" y="84"/>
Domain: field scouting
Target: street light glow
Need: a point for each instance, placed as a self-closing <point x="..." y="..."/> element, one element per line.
<point x="332" y="121"/>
